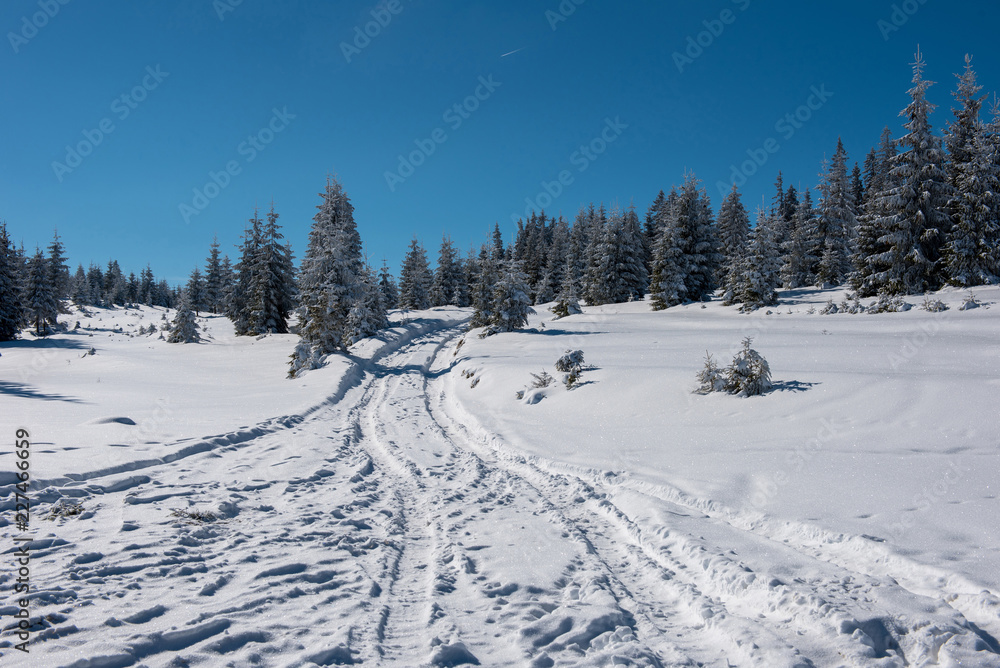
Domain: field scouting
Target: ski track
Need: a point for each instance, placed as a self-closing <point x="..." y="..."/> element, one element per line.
<point x="381" y="534"/>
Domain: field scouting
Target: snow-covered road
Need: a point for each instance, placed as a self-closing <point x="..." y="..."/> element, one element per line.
<point x="388" y="527"/>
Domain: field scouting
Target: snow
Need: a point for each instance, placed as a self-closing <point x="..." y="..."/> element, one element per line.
<point x="402" y="507"/>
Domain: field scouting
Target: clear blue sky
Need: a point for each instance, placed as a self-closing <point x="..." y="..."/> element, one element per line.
<point x="200" y="77"/>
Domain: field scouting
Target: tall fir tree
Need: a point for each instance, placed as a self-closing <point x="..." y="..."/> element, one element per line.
<point x="243" y="307"/>
<point x="555" y="263"/>
<point x="387" y="286"/>
<point x="195" y="291"/>
<point x="184" y="327"/>
<point x="214" y="293"/>
<point x="272" y="296"/>
<point x="798" y="267"/>
<point x="58" y="272"/>
<point x="368" y="315"/>
<point x="511" y="302"/>
<point x="11" y="308"/>
<point x="446" y="287"/>
<point x="758" y="274"/>
<point x="39" y="299"/>
<point x="870" y="244"/>
<point x="915" y="220"/>
<point x="415" y="279"/>
<point x="488" y="271"/>
<point x="836" y="220"/>
<point x="968" y="253"/>
<point x="733" y="225"/>
<point x="330" y="282"/>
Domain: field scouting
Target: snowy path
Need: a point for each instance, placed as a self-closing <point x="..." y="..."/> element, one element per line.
<point x="389" y="528"/>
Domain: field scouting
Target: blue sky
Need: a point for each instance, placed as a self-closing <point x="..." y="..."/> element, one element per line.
<point x="253" y="101"/>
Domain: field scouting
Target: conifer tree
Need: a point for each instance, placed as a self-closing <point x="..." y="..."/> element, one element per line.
<point x="11" y="309"/>
<point x="244" y="310"/>
<point x="733" y="226"/>
<point x="196" y="291"/>
<point x="870" y="244"/>
<point x="799" y="263"/>
<point x="631" y="258"/>
<point x="80" y="288"/>
<point x="272" y="293"/>
<point x="415" y="279"/>
<point x="39" y="299"/>
<point x="214" y="290"/>
<point x="758" y="274"/>
<point x="487" y="275"/>
<point x="969" y="251"/>
<point x="387" y="286"/>
<point x="58" y="272"/>
<point x="915" y="219"/>
<point x="330" y="280"/>
<point x="368" y="315"/>
<point x="184" y="327"/>
<point x="511" y="303"/>
<point x="555" y="263"/>
<point x="836" y="221"/>
<point x="446" y="287"/>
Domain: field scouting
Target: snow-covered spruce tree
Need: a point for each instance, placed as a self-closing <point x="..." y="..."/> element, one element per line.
<point x="530" y="247"/>
<point x="368" y="315"/>
<point x="511" y="303"/>
<point x="11" y="310"/>
<point x="40" y="308"/>
<point x="58" y="272"/>
<point x="79" y="291"/>
<point x="666" y="285"/>
<point x="651" y="229"/>
<point x="733" y="226"/>
<point x="915" y="222"/>
<point x="579" y="241"/>
<point x="567" y="302"/>
<point x="329" y="280"/>
<point x="799" y="262"/>
<point x="749" y="373"/>
<point x="758" y="275"/>
<point x="836" y="221"/>
<point x="243" y="310"/>
<point x="598" y="260"/>
<point x="969" y="251"/>
<point x="214" y="297"/>
<point x="555" y="263"/>
<point x="446" y="287"/>
<point x="488" y="271"/>
<point x="196" y="291"/>
<point x="272" y="283"/>
<point x="415" y="279"/>
<point x="686" y="258"/>
<point x="869" y="245"/>
<point x="630" y="257"/>
<point x="184" y="328"/>
<point x="387" y="286"/>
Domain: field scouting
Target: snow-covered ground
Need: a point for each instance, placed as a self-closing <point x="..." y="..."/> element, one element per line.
<point x="403" y="507"/>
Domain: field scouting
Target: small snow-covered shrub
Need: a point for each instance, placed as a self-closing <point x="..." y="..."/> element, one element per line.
<point x="829" y="309"/>
<point x="933" y="305"/>
<point x="573" y="359"/>
<point x="970" y="302"/>
<point x="747" y="375"/>
<point x="572" y="378"/>
<point x="194" y="516"/>
<point x="566" y="307"/>
<point x="65" y="509"/>
<point x="854" y="306"/>
<point x="890" y="304"/>
<point x="710" y="378"/>
<point x="542" y="379"/>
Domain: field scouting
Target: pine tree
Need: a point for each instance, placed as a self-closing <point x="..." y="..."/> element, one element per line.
<point x="387" y="286"/>
<point x="446" y="287"/>
<point x="598" y="259"/>
<point x="733" y="227"/>
<point x="243" y="309"/>
<point x="273" y="281"/>
<point x="799" y="263"/>
<point x="567" y="303"/>
<point x="184" y="328"/>
<point x="915" y="202"/>
<point x="39" y="299"/>
<point x="631" y="260"/>
<point x="868" y="244"/>
<point x="511" y="303"/>
<point x="196" y="291"/>
<point x="968" y="253"/>
<point x="758" y="274"/>
<point x="11" y="309"/>
<point x="368" y="315"/>
<point x="58" y="272"/>
<point x="415" y="279"/>
<point x="487" y="275"/>
<point x="836" y="221"/>
<point x="555" y="263"/>
<point x="330" y="281"/>
<point x="80" y="288"/>
<point x="214" y="289"/>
